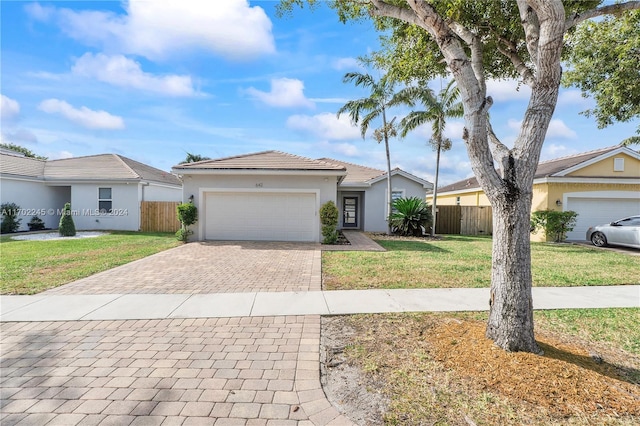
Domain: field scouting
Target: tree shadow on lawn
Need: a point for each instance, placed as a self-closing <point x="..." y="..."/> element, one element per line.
<point x="421" y="246"/>
<point x="594" y="363"/>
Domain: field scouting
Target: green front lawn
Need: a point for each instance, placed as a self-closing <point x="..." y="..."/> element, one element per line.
<point x="463" y="261"/>
<point x="29" y="267"/>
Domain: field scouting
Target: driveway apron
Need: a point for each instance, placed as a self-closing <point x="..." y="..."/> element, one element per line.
<point x="211" y="267"/>
<point x="204" y="371"/>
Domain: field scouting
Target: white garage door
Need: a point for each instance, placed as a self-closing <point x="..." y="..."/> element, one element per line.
<point x="277" y="216"/>
<point x="598" y="211"/>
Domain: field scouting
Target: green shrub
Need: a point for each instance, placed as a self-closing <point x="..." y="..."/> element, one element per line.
<point x="554" y="223"/>
<point x="10" y="221"/>
<point x="411" y="215"/>
<point x="329" y="220"/>
<point x="187" y="215"/>
<point x="35" y="224"/>
<point x="67" y="228"/>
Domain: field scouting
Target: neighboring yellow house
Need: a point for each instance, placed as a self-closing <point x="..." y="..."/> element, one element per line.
<point x="601" y="186"/>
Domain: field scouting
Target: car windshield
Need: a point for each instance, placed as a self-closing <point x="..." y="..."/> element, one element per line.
<point x="629" y="221"/>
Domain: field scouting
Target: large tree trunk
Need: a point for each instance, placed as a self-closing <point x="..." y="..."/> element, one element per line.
<point x="510" y="323"/>
<point x="509" y="189"/>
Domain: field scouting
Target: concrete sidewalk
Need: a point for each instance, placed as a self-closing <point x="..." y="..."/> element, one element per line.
<point x="51" y="307"/>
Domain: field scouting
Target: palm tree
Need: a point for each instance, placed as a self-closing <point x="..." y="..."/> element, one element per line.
<point x="363" y="111"/>
<point x="194" y="158"/>
<point x="437" y="110"/>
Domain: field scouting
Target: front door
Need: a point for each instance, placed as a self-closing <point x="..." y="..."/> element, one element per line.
<point x="350" y="212"/>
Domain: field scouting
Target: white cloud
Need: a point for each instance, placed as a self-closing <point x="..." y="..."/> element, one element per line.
<point x="83" y="116"/>
<point x="553" y="151"/>
<point x="162" y="28"/>
<point x="124" y="72"/>
<point x="20" y="136"/>
<point x="330" y="100"/>
<point x="325" y="125"/>
<point x="557" y="129"/>
<point x="285" y="92"/>
<point x="39" y="12"/>
<point x="9" y="108"/>
<point x="346" y="149"/>
<point x="507" y="90"/>
<point x="574" y="98"/>
<point x="59" y="155"/>
<point x="341" y="64"/>
<point x="453" y="130"/>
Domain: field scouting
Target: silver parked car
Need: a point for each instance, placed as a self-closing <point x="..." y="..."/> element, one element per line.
<point x="623" y="232"/>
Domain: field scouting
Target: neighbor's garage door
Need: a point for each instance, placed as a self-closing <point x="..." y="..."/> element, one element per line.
<point x="261" y="216"/>
<point x="598" y="211"/>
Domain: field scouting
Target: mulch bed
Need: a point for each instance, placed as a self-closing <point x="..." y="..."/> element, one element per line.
<point x="566" y="380"/>
<point x="440" y="369"/>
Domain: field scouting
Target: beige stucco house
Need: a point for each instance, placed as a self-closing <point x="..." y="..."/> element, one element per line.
<point x="601" y="186"/>
<point x="273" y="195"/>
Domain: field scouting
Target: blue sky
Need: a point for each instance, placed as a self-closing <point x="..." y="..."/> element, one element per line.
<point x="154" y="80"/>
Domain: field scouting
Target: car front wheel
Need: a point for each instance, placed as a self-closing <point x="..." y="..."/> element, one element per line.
<point x="598" y="239"/>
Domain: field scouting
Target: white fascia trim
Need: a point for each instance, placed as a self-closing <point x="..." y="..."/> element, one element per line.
<point x="617" y="181"/>
<point x="458" y="192"/>
<point x="163" y="185"/>
<point x="202" y="207"/>
<point x="621" y="150"/>
<point x="425" y="184"/>
<point x="67" y="182"/>
<point x="354" y="185"/>
<point x="184" y="172"/>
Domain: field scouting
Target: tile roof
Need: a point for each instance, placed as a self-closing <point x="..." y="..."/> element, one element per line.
<point x="93" y="167"/>
<point x="545" y="168"/>
<point x="20" y="165"/>
<point x="356" y="173"/>
<point x="265" y="160"/>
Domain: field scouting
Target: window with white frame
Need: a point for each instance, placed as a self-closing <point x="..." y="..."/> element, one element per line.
<point x="395" y="194"/>
<point x="105" y="202"/>
<point x="457" y="201"/>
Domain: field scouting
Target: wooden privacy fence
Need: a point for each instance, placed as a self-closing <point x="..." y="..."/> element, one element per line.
<point x="159" y="216"/>
<point x="464" y="220"/>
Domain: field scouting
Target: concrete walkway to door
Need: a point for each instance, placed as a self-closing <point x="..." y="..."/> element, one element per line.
<point x="156" y="342"/>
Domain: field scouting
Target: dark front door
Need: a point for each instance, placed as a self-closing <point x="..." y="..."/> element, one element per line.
<point x="350" y="212"/>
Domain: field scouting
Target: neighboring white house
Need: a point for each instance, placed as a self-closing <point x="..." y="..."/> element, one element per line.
<point x="277" y="196"/>
<point x="104" y="190"/>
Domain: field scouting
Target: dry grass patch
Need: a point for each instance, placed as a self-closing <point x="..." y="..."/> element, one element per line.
<point x="440" y="369"/>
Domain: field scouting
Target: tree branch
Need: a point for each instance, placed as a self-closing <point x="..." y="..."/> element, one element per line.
<point x="499" y="151"/>
<point x="612" y="9"/>
<point x="474" y="43"/>
<point x="531" y="25"/>
<point x="511" y="53"/>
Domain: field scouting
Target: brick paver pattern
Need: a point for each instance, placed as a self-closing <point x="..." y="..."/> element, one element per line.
<point x="244" y="371"/>
<point x="216" y="371"/>
<point x="211" y="267"/>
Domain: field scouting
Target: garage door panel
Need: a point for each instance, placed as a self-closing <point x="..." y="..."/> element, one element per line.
<point x="598" y="211"/>
<point x="261" y="216"/>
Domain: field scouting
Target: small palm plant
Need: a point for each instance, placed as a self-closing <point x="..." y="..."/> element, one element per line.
<point x="410" y="216"/>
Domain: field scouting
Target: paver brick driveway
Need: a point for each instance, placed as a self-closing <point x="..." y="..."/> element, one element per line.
<point x="224" y="371"/>
<point x="214" y="371"/>
<point x="211" y="267"/>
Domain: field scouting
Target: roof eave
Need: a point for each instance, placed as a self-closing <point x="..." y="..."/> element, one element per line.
<point x="288" y="172"/>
